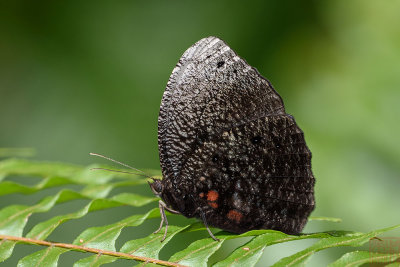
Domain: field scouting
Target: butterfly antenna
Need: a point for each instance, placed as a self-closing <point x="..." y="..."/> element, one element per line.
<point x="120" y="163"/>
<point x="110" y="170"/>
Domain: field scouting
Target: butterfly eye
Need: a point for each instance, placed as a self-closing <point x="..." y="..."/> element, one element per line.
<point x="220" y="64"/>
<point x="256" y="139"/>
<point x="156" y="186"/>
<point x="215" y="158"/>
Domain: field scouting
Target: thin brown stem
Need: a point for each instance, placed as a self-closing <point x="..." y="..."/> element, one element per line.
<point x="87" y="249"/>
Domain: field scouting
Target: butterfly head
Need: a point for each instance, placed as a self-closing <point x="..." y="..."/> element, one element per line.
<point x="156" y="186"/>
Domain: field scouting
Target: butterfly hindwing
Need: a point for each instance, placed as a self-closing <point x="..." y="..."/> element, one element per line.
<point x="255" y="175"/>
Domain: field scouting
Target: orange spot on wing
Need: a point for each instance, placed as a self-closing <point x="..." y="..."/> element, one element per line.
<point x="212" y="195"/>
<point x="235" y="215"/>
<point x="201" y="195"/>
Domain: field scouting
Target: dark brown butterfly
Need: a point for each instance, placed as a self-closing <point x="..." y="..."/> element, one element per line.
<point x="229" y="153"/>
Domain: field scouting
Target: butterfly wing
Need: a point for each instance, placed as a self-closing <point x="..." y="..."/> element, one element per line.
<point x="210" y="89"/>
<point x="227" y="147"/>
<point x="256" y="175"/>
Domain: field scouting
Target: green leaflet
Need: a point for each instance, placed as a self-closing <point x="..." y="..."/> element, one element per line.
<point x="248" y="254"/>
<point x="358" y="258"/>
<point x="96" y="237"/>
<point x="134" y="199"/>
<point x="353" y="240"/>
<point x="104" y="237"/>
<point x="46" y="257"/>
<point x="44" y="229"/>
<point x="8" y="187"/>
<point x="149" y="246"/>
<point x="6" y="249"/>
<point x="74" y="173"/>
<point x="41" y="169"/>
<point x="95" y="260"/>
<point x="197" y="253"/>
<point x="14" y="218"/>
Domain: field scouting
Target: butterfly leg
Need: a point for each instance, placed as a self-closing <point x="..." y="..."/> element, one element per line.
<point x="164" y="207"/>
<point x="203" y="218"/>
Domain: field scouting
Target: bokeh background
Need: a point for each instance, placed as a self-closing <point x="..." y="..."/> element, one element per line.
<point x="88" y="76"/>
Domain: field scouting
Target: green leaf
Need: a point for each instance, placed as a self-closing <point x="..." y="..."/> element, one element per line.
<point x="134" y="199"/>
<point x="353" y="240"/>
<point x="358" y="258"/>
<point x="248" y="254"/>
<point x="104" y="237"/>
<point x="41" y="169"/>
<point x="94" y="261"/>
<point x="6" y="249"/>
<point x="95" y="237"/>
<point x="199" y="251"/>
<point x="14" y="218"/>
<point x="99" y="237"/>
<point x="46" y="257"/>
<point x="8" y="187"/>
<point x="151" y="245"/>
<point x="44" y="229"/>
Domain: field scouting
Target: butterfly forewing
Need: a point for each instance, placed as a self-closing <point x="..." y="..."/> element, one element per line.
<point x="204" y="96"/>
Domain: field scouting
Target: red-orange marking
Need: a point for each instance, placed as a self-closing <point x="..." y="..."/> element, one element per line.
<point x="212" y="195"/>
<point x="235" y="215"/>
<point x="201" y="195"/>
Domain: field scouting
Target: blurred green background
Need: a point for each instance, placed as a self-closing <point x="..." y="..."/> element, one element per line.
<point x="88" y="76"/>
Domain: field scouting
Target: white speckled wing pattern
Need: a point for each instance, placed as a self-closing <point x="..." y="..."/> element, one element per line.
<point x="202" y="98"/>
<point x="261" y="170"/>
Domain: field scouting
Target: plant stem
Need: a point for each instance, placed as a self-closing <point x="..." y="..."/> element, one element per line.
<point x="87" y="249"/>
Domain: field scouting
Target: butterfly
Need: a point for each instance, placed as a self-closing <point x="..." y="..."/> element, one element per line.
<point x="229" y="153"/>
